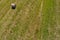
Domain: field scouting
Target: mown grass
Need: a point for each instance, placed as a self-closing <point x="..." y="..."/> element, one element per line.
<point x="23" y="23"/>
<point x="48" y="20"/>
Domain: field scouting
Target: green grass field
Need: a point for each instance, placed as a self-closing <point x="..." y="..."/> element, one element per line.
<point x="31" y="20"/>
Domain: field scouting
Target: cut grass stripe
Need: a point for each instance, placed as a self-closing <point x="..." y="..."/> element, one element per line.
<point x="47" y="19"/>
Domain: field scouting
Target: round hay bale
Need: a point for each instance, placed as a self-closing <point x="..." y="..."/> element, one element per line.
<point x="13" y="5"/>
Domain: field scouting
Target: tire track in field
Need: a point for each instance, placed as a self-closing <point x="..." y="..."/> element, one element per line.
<point x="40" y="16"/>
<point x="41" y="9"/>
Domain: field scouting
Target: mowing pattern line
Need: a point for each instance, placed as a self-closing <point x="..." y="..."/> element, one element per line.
<point x="31" y="20"/>
<point x="57" y="11"/>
